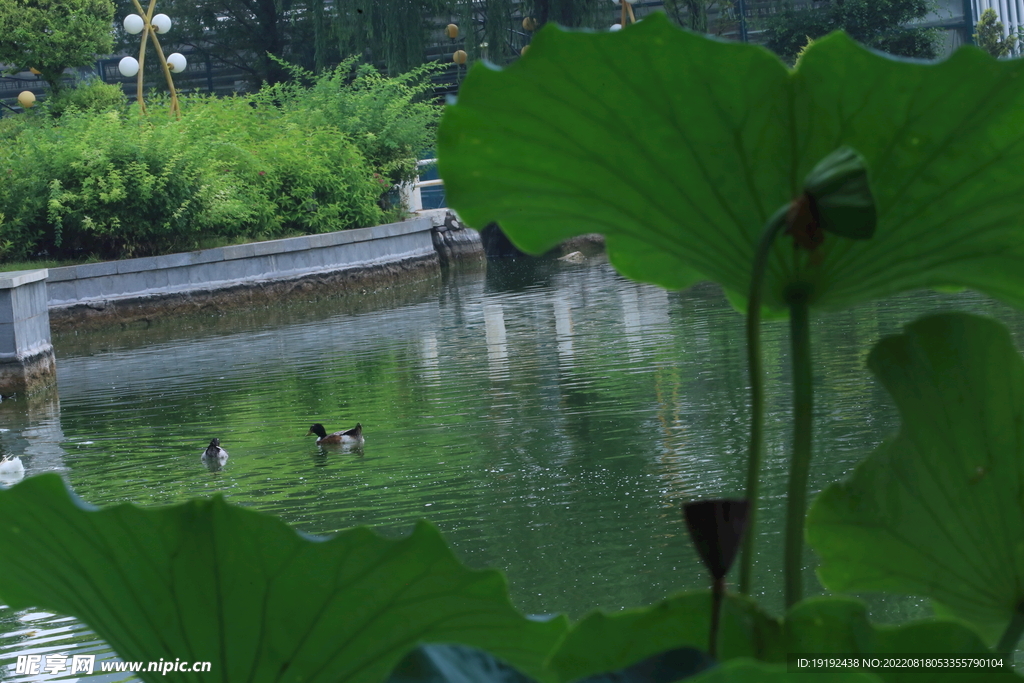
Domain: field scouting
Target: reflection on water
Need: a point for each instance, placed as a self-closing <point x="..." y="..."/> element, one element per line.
<point x="563" y="329"/>
<point x="494" y="333"/>
<point x="548" y="417"/>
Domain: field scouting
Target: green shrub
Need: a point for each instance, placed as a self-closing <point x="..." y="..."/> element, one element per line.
<point x="106" y="184"/>
<point x="389" y="119"/>
<point x="116" y="185"/>
<point x="102" y="181"/>
<point x="92" y="95"/>
<point x="294" y="176"/>
<point x="112" y="185"/>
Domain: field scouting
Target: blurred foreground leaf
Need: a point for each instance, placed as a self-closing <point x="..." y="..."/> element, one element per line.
<point x="937" y="511"/>
<point x="833" y="625"/>
<point x="459" y="664"/>
<point x="679" y="148"/>
<point x="209" y="581"/>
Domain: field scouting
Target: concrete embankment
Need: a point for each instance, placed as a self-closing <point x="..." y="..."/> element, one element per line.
<point x="224" y="278"/>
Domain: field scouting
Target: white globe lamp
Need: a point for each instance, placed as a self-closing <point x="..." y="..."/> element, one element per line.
<point x="133" y="23"/>
<point x="176" y="62"/>
<point x="162" y="23"/>
<point x="128" y="66"/>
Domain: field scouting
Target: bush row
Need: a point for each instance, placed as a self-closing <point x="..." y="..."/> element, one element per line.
<point x="99" y="180"/>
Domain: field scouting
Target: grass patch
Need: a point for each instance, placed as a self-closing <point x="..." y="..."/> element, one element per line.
<point x="35" y="265"/>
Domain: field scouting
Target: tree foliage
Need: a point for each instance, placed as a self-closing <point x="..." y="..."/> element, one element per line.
<point x="988" y="34"/>
<point x="243" y="34"/>
<point x="319" y="34"/>
<point x="880" y="24"/>
<point x="693" y="14"/>
<point x="53" y="35"/>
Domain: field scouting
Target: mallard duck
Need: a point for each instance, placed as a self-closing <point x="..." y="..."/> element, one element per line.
<point x="214" y="453"/>
<point x="11" y="467"/>
<point x="352" y="437"/>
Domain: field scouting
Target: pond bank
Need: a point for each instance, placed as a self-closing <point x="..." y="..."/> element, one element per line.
<point x="225" y="278"/>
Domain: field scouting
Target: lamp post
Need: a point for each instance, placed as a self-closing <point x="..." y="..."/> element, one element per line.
<point x="129" y="66"/>
<point x="627" y="10"/>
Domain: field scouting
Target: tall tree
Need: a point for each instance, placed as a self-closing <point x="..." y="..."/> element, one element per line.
<point x="880" y="24"/>
<point x="53" y="35"/>
<point x="395" y="32"/>
<point x="988" y="35"/>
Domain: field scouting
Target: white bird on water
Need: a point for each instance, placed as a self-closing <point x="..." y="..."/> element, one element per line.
<point x="214" y="456"/>
<point x="11" y="469"/>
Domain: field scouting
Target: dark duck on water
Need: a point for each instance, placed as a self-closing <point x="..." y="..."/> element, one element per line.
<point x="351" y="437"/>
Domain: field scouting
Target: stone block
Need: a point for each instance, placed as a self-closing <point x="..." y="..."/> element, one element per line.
<point x="136" y="265"/>
<point x="177" y="277"/>
<point x="95" y="287"/>
<point x="21" y="303"/>
<point x="243" y="269"/>
<point x="29" y="300"/>
<point x="156" y="279"/>
<point x="204" y="274"/>
<point x="299" y="261"/>
<point x="290" y="244"/>
<point x="7" y="305"/>
<point x="238" y="251"/>
<point x="61" y="291"/>
<point x="126" y="283"/>
<point x="62" y="274"/>
<point x="89" y="270"/>
<point x="345" y="237"/>
<point x="173" y="260"/>
<point x="265" y="248"/>
<point x="32" y="333"/>
<point x="206" y="255"/>
<point x="8" y="339"/>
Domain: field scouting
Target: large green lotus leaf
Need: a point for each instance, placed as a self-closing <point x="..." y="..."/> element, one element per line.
<point x="752" y="671"/>
<point x="461" y="664"/>
<point x="937" y="511"/>
<point x="840" y="626"/>
<point x="834" y="625"/>
<point x="209" y="581"/>
<point x="608" y="642"/>
<point x="679" y="148"/>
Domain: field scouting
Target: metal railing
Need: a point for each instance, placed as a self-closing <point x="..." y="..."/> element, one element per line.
<point x="410" y="192"/>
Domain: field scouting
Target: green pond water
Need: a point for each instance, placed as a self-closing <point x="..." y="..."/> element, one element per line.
<point x="548" y="417"/>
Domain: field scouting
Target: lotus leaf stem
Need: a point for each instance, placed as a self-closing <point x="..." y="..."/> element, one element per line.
<point x="772" y="228"/>
<point x="1014" y="630"/>
<point x="800" y="463"/>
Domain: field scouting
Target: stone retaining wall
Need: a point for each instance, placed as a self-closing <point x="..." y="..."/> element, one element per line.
<point x="26" y="355"/>
<point x="133" y="290"/>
